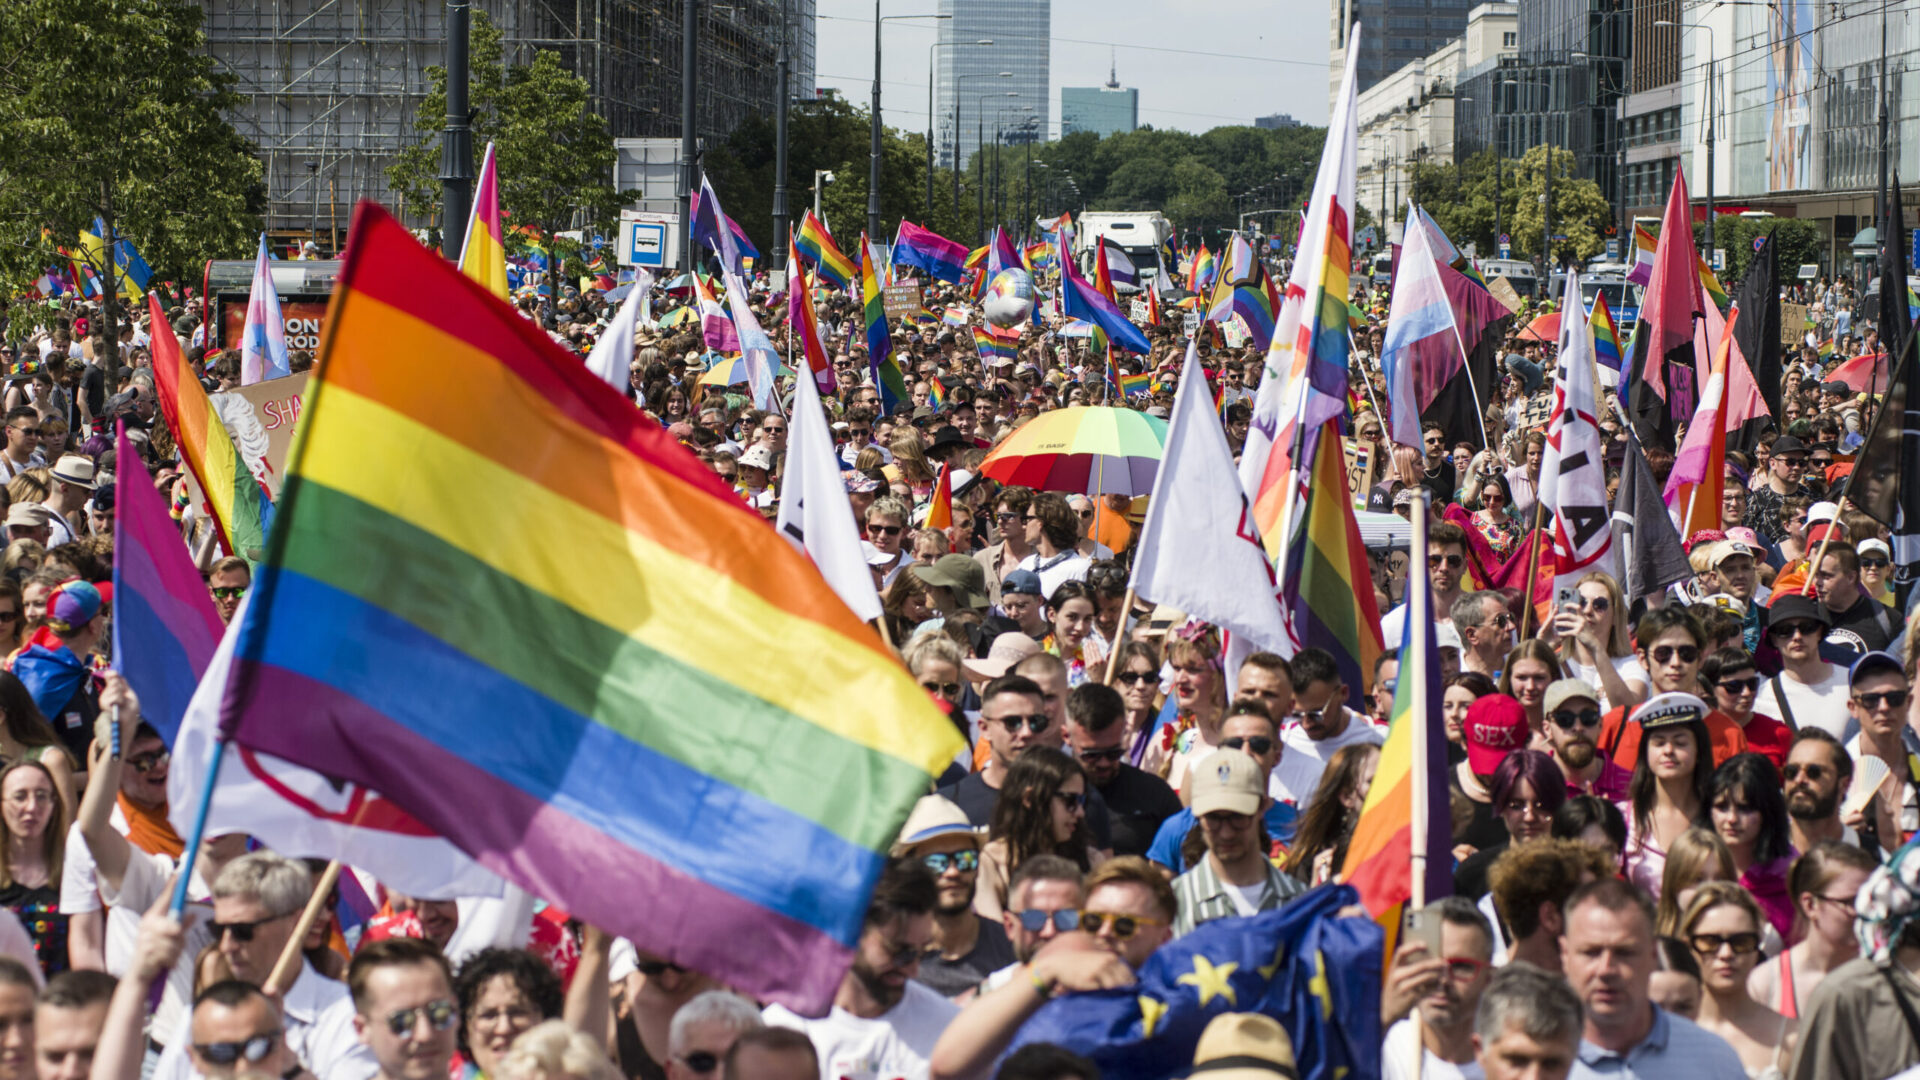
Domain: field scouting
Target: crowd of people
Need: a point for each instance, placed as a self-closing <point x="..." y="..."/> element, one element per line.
<point x="1681" y="821"/>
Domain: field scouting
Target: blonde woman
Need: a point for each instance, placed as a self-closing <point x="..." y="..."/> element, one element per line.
<point x="1722" y="926"/>
<point x="1696" y="858"/>
<point x="1594" y="646"/>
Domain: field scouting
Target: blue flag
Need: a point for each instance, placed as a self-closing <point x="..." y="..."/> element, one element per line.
<point x="1316" y="974"/>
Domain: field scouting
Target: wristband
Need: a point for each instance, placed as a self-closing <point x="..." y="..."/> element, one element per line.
<point x="1043" y="987"/>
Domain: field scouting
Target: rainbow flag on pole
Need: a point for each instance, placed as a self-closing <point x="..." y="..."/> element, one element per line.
<point x="873" y="314"/>
<point x="1200" y="270"/>
<point x="1406" y="818"/>
<point x="241" y="511"/>
<point x="550" y="559"/>
<point x="1330" y="588"/>
<point x="483" y="255"/>
<point x="1607" y="348"/>
<point x="995" y="345"/>
<point x="815" y="244"/>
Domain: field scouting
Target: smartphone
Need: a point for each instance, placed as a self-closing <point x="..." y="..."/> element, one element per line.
<point x="1424" y="927"/>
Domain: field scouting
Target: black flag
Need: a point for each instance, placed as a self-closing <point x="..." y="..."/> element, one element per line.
<point x="1885" y="481"/>
<point x="1454" y="408"/>
<point x="1643" y="533"/>
<point x="1757" y="334"/>
<point x="1656" y="414"/>
<point x="1894" y="319"/>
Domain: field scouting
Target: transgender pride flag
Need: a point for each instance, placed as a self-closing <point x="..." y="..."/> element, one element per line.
<point x="1421" y="350"/>
<point x="263" y="344"/>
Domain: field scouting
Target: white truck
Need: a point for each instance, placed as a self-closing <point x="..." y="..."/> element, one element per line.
<point x="1140" y="233"/>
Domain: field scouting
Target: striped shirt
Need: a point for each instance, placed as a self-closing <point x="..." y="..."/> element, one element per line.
<point x="1203" y="897"/>
<point x="1675" y="1047"/>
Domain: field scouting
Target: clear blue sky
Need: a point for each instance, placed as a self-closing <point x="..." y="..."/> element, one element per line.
<point x="1198" y="65"/>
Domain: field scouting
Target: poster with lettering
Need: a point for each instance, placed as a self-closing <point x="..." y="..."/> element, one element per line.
<point x="261" y="418"/>
<point x="302" y="317"/>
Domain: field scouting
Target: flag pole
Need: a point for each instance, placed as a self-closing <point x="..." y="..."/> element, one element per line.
<point x="1119" y="637"/>
<point x="1466" y="365"/>
<point x="191" y="853"/>
<point x="1533" y="567"/>
<point x="286" y="969"/>
<point x="1419" y="618"/>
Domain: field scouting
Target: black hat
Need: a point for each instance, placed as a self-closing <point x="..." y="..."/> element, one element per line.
<point x="948" y="436"/>
<point x="1795" y="606"/>
<point x="1787" y="444"/>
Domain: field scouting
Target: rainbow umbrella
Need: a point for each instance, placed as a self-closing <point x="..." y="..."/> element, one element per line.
<point x="1089" y="449"/>
<point x="680" y="315"/>
<point x="732" y="371"/>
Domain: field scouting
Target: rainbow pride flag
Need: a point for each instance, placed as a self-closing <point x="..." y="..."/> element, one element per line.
<point x="873" y="314"/>
<point x="483" y="256"/>
<point x="993" y="345"/>
<point x="1329" y="584"/>
<point x="937" y="395"/>
<point x="550" y="560"/>
<point x="1606" y="336"/>
<point x="1711" y="283"/>
<point x="940" y="505"/>
<point x="241" y="511"/>
<point x="1412" y="772"/>
<point x="1135" y="384"/>
<point x="1825" y="349"/>
<point x="815" y="244"/>
<point x="1200" y="270"/>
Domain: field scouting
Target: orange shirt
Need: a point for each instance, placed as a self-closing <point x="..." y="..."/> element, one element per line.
<point x="1624" y="738"/>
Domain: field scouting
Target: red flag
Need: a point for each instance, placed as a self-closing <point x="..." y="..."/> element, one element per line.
<point x="940" y="506"/>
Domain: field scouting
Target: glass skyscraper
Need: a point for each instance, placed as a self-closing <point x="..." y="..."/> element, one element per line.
<point x="971" y="102"/>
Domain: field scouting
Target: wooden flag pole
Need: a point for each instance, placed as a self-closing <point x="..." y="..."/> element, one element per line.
<point x="1119" y="637"/>
<point x="1533" y="566"/>
<point x="287" y="968"/>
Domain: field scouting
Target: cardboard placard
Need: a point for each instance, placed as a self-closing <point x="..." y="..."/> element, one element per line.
<point x="1503" y="291"/>
<point x="1190" y="325"/>
<point x="261" y="419"/>
<point x="901" y="300"/>
<point x="303" y="320"/>
<point x="1793" y="324"/>
<point x="1138" y="312"/>
<point x="1359" y="470"/>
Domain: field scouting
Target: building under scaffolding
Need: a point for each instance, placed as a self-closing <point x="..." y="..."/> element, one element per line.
<point x="333" y="88"/>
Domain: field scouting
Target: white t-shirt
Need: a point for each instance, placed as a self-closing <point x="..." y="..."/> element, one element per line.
<point x="1394" y="625"/>
<point x="1822" y="705"/>
<point x="1302" y="759"/>
<point x="145" y="879"/>
<point x="1246" y="898"/>
<point x="896" y="1045"/>
<point x="1627" y="667"/>
<point x="1396" y="1059"/>
<point x="79" y="895"/>
<point x="1057" y="571"/>
<point x="317" y="1016"/>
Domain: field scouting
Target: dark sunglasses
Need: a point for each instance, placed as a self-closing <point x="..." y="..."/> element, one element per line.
<point x="1111" y="753"/>
<point x="944" y="689"/>
<point x="1596" y="603"/>
<point x="146" y="763"/>
<point x="1740" y="686"/>
<point x="1073" y="800"/>
<point x="700" y="1061"/>
<point x="253" y="1049"/>
<point x="964" y="861"/>
<point x="883" y="530"/>
<point x="1709" y="944"/>
<point x="1806" y="627"/>
<point x="1793" y="770"/>
<point x="1036" y="723"/>
<point x="1874" y="563"/>
<point x="1664" y="654"/>
<point x="1035" y="921"/>
<point x="1568" y="718"/>
<point x="1892" y="698"/>
<point x="1134" y="678"/>
<point x="1452" y="562"/>
<point x="229" y="592"/>
<point x="440" y="1014"/>
<point x="1257" y="745"/>
<point x="241" y="931"/>
<point x="1123" y="926"/>
<point x="655" y="968"/>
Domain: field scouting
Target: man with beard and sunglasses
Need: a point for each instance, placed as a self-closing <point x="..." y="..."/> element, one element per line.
<point x="1817" y="773"/>
<point x="883" y="1023"/>
<point x="1137" y="801"/>
<point x="965" y="948"/>
<point x="1573" y="720"/>
<point x="1670" y="646"/>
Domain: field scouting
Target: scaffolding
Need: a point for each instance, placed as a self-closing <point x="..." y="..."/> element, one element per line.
<point x="332" y="89"/>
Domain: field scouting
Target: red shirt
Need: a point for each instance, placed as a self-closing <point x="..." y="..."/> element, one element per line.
<point x="1769" y="738"/>
<point x="1622" y="739"/>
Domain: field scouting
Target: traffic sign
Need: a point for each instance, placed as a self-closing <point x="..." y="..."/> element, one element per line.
<point x="1505" y="240"/>
<point x="1506" y="249"/>
<point x="1613" y="248"/>
<point x="1758" y="243"/>
<point x="647" y="239"/>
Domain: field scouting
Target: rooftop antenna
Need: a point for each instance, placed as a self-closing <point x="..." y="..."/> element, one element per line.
<point x="1113" y="71"/>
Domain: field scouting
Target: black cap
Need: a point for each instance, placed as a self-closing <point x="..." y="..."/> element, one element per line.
<point x="1787" y="444"/>
<point x="1795" y="606"/>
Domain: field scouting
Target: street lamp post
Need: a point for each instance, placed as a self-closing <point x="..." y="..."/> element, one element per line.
<point x="957" y="163"/>
<point x="1713" y="51"/>
<point x="689" y="89"/>
<point x="873" y="124"/>
<point x="783" y="65"/>
<point x="979" y="144"/>
<point x="956" y="134"/>
<point x="456" y="140"/>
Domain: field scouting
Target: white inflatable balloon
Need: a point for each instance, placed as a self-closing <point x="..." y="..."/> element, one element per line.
<point x="1009" y="298"/>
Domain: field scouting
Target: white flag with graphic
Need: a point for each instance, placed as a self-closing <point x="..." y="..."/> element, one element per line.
<point x="1573" y="471"/>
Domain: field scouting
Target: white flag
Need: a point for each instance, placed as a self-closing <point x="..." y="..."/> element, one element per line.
<point x="301" y="813"/>
<point x="756" y="348"/>
<point x="814" y="512"/>
<point x="1573" y="472"/>
<point x="1199" y="551"/>
<point x="612" y="355"/>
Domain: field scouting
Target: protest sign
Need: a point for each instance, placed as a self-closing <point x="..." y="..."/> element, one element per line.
<point x="1502" y="290"/>
<point x="261" y="418"/>
<point x="901" y="300"/>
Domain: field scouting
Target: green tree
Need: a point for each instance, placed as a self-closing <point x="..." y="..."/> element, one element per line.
<point x="553" y="154"/>
<point x="1580" y="211"/>
<point x="111" y="110"/>
<point x="1798" y="240"/>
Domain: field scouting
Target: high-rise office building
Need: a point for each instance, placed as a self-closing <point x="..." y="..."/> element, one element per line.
<point x="1394" y="33"/>
<point x="971" y="101"/>
<point x="1103" y="110"/>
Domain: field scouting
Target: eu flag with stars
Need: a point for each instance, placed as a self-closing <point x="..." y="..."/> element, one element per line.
<point x="1317" y="974"/>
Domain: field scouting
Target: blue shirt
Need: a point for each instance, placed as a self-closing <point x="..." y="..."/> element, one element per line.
<point x="1280" y="822"/>
<point x="1675" y="1048"/>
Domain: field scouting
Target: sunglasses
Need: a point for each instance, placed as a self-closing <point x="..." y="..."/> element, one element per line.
<point x="229" y="592"/>
<point x="1568" y="718"/>
<point x="1034" y="921"/>
<point x="964" y="861"/>
<point x="1036" y="723"/>
<point x="1600" y="604"/>
<point x="1740" y="686"/>
<point x="655" y="968"/>
<point x="1798" y="628"/>
<point x="944" y="689"/>
<point x="1134" y="678"/>
<point x="440" y="1014"/>
<point x="883" y="530"/>
<point x="1257" y="745"/>
<point x="1891" y="698"/>
<point x="1709" y="944"/>
<point x="1122" y="926"/>
<point x="1110" y="753"/>
<point x="1452" y="562"/>
<point x="146" y="763"/>
<point x="1793" y="770"/>
<point x="9" y="616"/>
<point x="1875" y="563"/>
<point x="254" y="1049"/>
<point x="700" y="1061"/>
<point x="1072" y="800"/>
<point x="242" y="931"/>
<point x="1664" y="654"/>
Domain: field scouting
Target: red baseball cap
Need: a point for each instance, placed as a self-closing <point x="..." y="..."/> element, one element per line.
<point x="1496" y="725"/>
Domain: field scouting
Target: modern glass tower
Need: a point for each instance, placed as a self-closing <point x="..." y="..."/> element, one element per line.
<point x="964" y="74"/>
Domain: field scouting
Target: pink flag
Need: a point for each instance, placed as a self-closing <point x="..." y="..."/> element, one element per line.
<point x="1673" y="293"/>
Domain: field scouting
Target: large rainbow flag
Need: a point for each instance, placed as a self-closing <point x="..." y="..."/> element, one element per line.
<point x="1329" y="585"/>
<point x="873" y="314"/>
<point x="542" y="663"/>
<point x="483" y="256"/>
<point x="241" y="511"/>
<point x="815" y="244"/>
<point x="1412" y="774"/>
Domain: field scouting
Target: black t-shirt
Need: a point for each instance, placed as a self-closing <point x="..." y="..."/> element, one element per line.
<point x="973" y="795"/>
<point x="1482" y="830"/>
<point x="93" y="388"/>
<point x="1139" y="802"/>
<point x="1470" y="877"/>
<point x="1438" y="482"/>
<point x="992" y="950"/>
<point x="1862" y="628"/>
